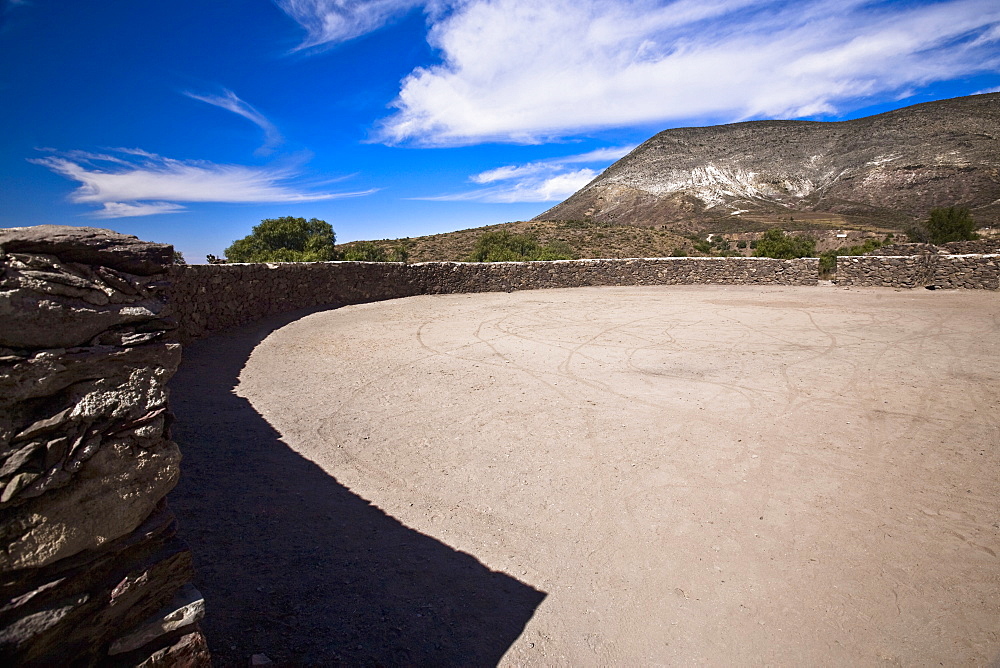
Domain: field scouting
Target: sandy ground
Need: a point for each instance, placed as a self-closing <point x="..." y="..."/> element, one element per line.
<point x="641" y="476"/>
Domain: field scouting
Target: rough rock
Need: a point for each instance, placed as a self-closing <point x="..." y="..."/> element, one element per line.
<point x="185" y="609"/>
<point x="33" y="320"/>
<point x="76" y="606"/>
<point x="114" y="491"/>
<point x="189" y="651"/>
<point x="89" y="245"/>
<point x="88" y="550"/>
<point x="45" y="373"/>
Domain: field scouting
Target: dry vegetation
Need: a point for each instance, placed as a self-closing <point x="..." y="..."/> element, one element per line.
<point x="588" y="239"/>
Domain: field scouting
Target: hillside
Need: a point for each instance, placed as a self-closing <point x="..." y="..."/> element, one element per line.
<point x="591" y="239"/>
<point x="886" y="170"/>
<point x="583" y="239"/>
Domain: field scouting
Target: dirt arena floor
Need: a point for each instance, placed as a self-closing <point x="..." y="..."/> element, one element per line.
<point x="601" y="476"/>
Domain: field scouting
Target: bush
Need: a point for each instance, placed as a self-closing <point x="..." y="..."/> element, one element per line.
<point x="504" y="246"/>
<point x="368" y="251"/>
<point x="827" y="263"/>
<point x="954" y="223"/>
<point x="777" y="244"/>
<point x="285" y="239"/>
<point x="828" y="259"/>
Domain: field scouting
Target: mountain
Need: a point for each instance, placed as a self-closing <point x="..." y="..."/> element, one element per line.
<point x="886" y="170"/>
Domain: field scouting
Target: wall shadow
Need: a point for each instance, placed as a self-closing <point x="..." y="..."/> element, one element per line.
<point x="292" y="564"/>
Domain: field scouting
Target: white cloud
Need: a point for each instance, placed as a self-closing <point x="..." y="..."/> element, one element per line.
<point x="529" y="70"/>
<point x="546" y="188"/>
<point x="334" y="21"/>
<point x="995" y="89"/>
<point x="147" y="183"/>
<point x="230" y="102"/>
<point x="541" y="181"/>
<point x="124" y="210"/>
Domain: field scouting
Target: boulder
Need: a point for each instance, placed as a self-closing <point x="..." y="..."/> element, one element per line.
<point x="89" y="245"/>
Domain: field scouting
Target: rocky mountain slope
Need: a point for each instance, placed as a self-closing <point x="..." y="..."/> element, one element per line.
<point x="886" y="170"/>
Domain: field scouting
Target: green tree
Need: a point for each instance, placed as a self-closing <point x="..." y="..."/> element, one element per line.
<point x="953" y="223"/>
<point x="285" y="239"/>
<point x="504" y="246"/>
<point x="775" y="243"/>
<point x="179" y="257"/>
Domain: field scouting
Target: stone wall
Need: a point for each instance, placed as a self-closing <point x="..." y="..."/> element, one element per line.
<point x="210" y="298"/>
<point x="91" y="571"/>
<point x="943" y="271"/>
<point x="978" y="247"/>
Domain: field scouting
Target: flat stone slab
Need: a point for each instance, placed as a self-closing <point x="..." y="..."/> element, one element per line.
<point x="691" y="475"/>
<point x="89" y="245"/>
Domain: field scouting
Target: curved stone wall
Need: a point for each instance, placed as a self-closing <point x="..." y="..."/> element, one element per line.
<point x="210" y="298"/>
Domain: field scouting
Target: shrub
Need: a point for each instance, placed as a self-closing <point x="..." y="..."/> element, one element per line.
<point x="828" y="259"/>
<point x="285" y="239"/>
<point x="369" y="251"/>
<point x="827" y="263"/>
<point x="775" y="243"/>
<point x="504" y="246"/>
<point x="364" y="251"/>
<point x="954" y="223"/>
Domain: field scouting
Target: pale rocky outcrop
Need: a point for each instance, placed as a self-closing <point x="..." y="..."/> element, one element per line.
<point x="889" y="169"/>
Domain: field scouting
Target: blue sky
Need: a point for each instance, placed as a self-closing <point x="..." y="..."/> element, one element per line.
<point x="189" y="122"/>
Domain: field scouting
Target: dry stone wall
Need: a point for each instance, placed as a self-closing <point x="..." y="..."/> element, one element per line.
<point x="978" y="247"/>
<point x="981" y="272"/>
<point x="91" y="570"/>
<point x="210" y="298"/>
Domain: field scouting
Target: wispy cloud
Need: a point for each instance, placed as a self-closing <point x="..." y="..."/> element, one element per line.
<point x="530" y="70"/>
<point x="540" y="181"/>
<point x="231" y="102"/>
<point x="124" y="210"/>
<point x="335" y="21"/>
<point x="133" y="182"/>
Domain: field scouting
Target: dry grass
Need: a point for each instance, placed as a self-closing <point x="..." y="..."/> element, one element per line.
<point x="587" y="240"/>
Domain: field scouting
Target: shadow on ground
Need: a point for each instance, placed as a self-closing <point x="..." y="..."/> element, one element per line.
<point x="295" y="566"/>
